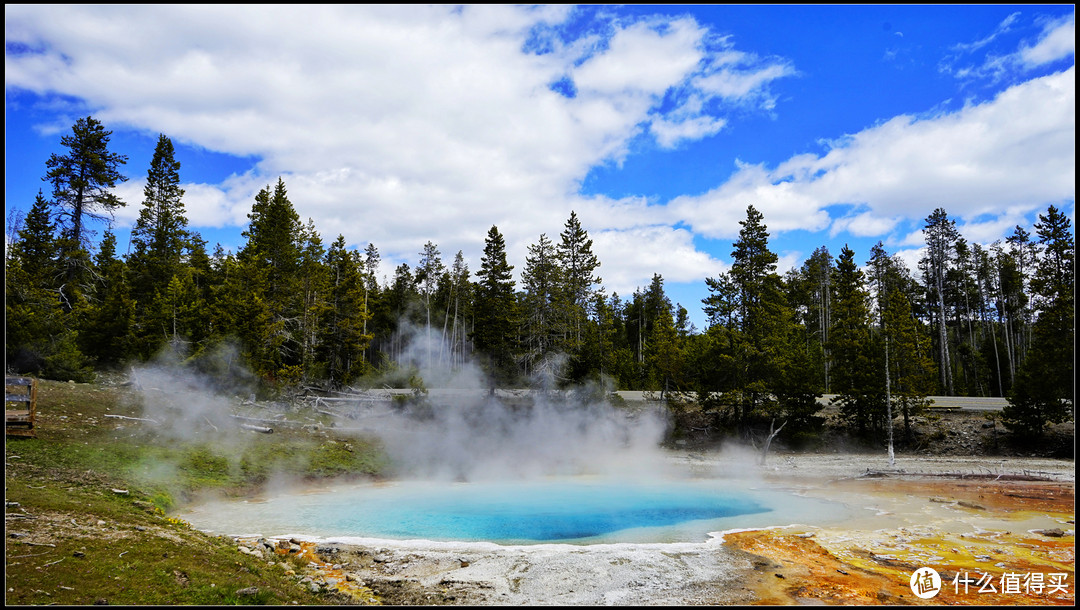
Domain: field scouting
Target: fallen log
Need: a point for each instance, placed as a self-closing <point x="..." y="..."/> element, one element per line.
<point x="262" y="429"/>
<point x="954" y="475"/>
<point x="329" y="399"/>
<point x="133" y="418"/>
<point x="259" y="420"/>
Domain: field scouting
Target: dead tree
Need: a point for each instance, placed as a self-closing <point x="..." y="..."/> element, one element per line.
<point x="769" y="439"/>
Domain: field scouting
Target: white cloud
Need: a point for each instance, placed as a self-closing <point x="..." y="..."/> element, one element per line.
<point x="789" y="260"/>
<point x="718" y="212"/>
<point x="641" y="59"/>
<point x="730" y="83"/>
<point x="642" y="251"/>
<point x="1057" y="41"/>
<point x="394" y="125"/>
<point x="912" y="256"/>
<point x="1014" y="152"/>
<point x="398" y="125"/>
<point x="669" y="133"/>
<point x="205" y="205"/>
<point x="986" y="231"/>
<point x="865" y="224"/>
<point x="1002" y="28"/>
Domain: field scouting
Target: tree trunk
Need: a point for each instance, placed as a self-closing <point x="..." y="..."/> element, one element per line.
<point x="943" y="338"/>
<point x="769" y="439"/>
<point x="888" y="401"/>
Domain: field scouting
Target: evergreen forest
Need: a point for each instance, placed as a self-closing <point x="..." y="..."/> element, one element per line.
<point x="293" y="308"/>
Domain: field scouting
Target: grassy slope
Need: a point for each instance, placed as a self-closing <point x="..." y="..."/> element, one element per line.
<point x="72" y="540"/>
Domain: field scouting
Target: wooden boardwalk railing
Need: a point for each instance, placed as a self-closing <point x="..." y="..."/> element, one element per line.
<point x="20" y="405"/>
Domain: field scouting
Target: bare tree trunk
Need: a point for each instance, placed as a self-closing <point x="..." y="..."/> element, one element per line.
<point x="1010" y="349"/>
<point x="888" y="402"/>
<point x="943" y="338"/>
<point x="769" y="439"/>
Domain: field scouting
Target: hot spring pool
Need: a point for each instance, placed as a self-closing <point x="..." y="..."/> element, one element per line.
<point x="564" y="510"/>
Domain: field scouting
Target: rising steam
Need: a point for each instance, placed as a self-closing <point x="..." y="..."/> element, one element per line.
<point x="474" y="437"/>
<point x="471" y="433"/>
<point x="463" y="433"/>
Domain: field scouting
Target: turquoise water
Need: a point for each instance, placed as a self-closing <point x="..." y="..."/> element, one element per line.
<point x="529" y="512"/>
<point x="573" y="510"/>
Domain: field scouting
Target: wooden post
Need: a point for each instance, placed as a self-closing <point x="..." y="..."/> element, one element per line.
<point x="20" y="406"/>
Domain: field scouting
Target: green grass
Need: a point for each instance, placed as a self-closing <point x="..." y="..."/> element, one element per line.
<point x="85" y="543"/>
<point x="81" y="542"/>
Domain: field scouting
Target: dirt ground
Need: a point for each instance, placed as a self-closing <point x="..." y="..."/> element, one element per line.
<point x="938" y="432"/>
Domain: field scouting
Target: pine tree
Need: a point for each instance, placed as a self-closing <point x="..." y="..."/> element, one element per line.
<point x="763" y="324"/>
<point x="342" y="340"/>
<point x="602" y="342"/>
<point x="428" y="273"/>
<point x="1011" y="302"/>
<point x="314" y="282"/>
<point x="1021" y="259"/>
<point x="810" y="292"/>
<point x="941" y="236"/>
<point x="221" y="285"/>
<point x="381" y="323"/>
<point x="42" y="321"/>
<point x="179" y="307"/>
<point x="989" y="357"/>
<point x="821" y="270"/>
<point x="964" y="297"/>
<point x="159" y="239"/>
<point x="1044" y="392"/>
<point x="35" y="247"/>
<point x="722" y="305"/>
<point x="496" y="319"/>
<point x="33" y="312"/>
<point x="541" y="280"/>
<point x="663" y="354"/>
<point x="752" y="263"/>
<point x="854" y="363"/>
<point x="764" y="320"/>
<point x="800" y="383"/>
<point x="990" y="288"/>
<point x="458" y="306"/>
<point x="160" y="233"/>
<point x="909" y="369"/>
<point x="269" y="274"/>
<point x="273" y="241"/>
<point x="81" y="181"/>
<point x="107" y="336"/>
<point x="578" y="267"/>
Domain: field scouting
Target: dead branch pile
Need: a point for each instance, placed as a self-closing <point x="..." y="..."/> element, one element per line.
<point x="1025" y="476"/>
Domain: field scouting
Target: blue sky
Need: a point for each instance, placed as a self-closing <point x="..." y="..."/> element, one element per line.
<point x="658" y="125"/>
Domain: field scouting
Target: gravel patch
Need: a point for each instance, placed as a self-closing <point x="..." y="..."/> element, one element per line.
<point x="555" y="574"/>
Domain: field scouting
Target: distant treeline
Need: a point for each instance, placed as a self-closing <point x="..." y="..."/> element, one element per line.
<point x="971" y="320"/>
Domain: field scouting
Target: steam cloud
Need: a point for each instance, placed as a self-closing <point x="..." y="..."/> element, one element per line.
<point x="458" y="431"/>
<point x="472" y="437"/>
<point x="186" y="404"/>
<point x="469" y="434"/>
